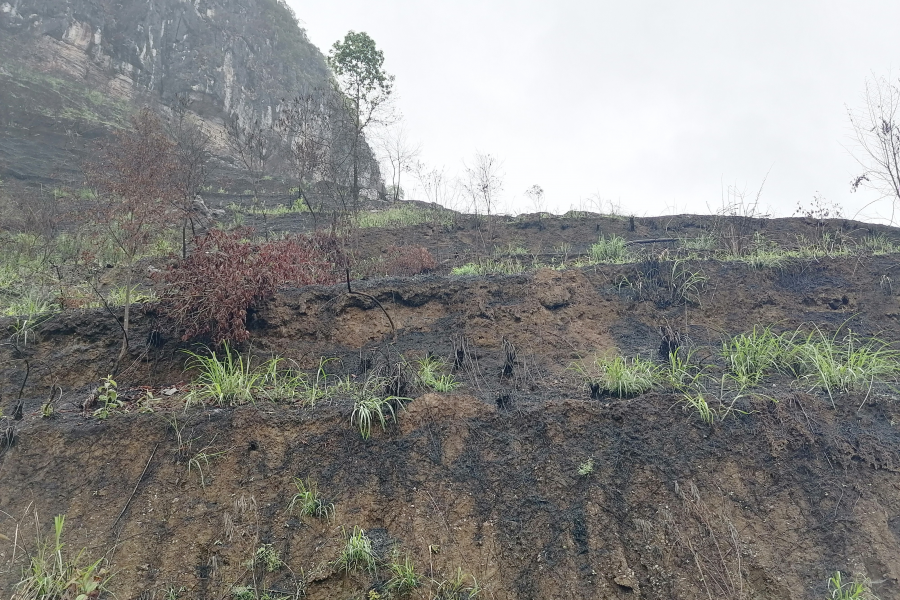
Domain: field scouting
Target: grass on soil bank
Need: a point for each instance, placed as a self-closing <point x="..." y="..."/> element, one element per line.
<point x="832" y="364"/>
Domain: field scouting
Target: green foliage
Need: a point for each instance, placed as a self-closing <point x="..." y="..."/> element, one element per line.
<point x="308" y="502"/>
<point x="404" y="578"/>
<point x="619" y="376"/>
<point x="407" y="215"/>
<point x="750" y="356"/>
<point x="855" y="589"/>
<point x="357" y="553"/>
<point x="369" y="405"/>
<point x="432" y="374"/>
<point x="267" y="556"/>
<point x="108" y="397"/>
<point x="508" y="266"/>
<point x="227" y="380"/>
<point x="610" y="250"/>
<point x="53" y="576"/>
<point x="357" y="62"/>
<point x="586" y="468"/>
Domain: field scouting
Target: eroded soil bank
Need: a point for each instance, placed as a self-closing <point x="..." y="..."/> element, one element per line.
<point x="766" y="503"/>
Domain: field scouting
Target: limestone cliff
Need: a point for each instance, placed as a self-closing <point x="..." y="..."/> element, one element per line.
<point x="72" y="69"/>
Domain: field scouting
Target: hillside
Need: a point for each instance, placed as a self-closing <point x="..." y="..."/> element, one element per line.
<point x="525" y="474"/>
<point x="73" y="70"/>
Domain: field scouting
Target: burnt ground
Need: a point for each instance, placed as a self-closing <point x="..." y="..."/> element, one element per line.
<point x="767" y="502"/>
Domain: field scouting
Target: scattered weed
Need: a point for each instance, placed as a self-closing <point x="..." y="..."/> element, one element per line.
<point x="201" y="460"/>
<point x="108" y="397"/>
<point x="357" y="553"/>
<point x="855" y="589"/>
<point x="404" y="578"/>
<point x="586" y="468"/>
<point x="53" y="576"/>
<point x="611" y="250"/>
<point x="267" y="556"/>
<point x="370" y="405"/>
<point x="308" y="502"/>
<point x="697" y="401"/>
<point x="619" y="377"/>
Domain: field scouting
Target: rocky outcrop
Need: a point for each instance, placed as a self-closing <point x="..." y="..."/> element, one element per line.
<point x="69" y="68"/>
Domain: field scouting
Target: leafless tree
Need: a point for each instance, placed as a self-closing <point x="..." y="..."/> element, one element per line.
<point x="536" y="194"/>
<point x="305" y="125"/>
<point x="254" y="144"/>
<point x="399" y="154"/>
<point x="192" y="149"/>
<point x="138" y="193"/>
<point x="877" y="135"/>
<point x="483" y="184"/>
<point x="437" y="185"/>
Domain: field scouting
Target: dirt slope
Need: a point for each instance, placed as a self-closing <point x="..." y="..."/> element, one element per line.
<point x="766" y="503"/>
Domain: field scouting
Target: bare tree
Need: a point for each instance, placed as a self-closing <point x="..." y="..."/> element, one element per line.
<point x="536" y="194"/>
<point x="305" y="125"/>
<point x="399" y="154"/>
<point x="254" y="143"/>
<point x="192" y="149"/>
<point x="437" y="186"/>
<point x="138" y="193"/>
<point x="483" y="184"/>
<point x="877" y="134"/>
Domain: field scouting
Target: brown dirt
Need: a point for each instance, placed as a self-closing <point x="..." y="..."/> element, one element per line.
<point x="766" y="503"/>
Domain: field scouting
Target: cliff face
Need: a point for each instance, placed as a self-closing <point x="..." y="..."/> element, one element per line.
<point x="71" y="69"/>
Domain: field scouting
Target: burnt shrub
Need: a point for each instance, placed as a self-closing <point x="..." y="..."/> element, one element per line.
<point x="210" y="292"/>
<point x="404" y="261"/>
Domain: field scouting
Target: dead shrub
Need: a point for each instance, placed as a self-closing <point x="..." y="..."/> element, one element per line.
<point x="210" y="292"/>
<point x="405" y="261"/>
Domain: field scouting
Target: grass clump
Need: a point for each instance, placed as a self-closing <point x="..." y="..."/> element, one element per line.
<point x="308" y="502"/>
<point x="611" y="249"/>
<point x="619" y="377"/>
<point x="586" y="468"/>
<point x="858" y="588"/>
<point x="431" y="373"/>
<point x="508" y="266"/>
<point x="404" y="578"/>
<point x="357" y="553"/>
<point x="370" y="405"/>
<point x="750" y="356"/>
<point x="846" y="364"/>
<point x="457" y="588"/>
<point x="230" y="379"/>
<point x="53" y="576"/>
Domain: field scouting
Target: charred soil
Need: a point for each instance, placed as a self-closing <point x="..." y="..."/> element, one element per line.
<point x="520" y="479"/>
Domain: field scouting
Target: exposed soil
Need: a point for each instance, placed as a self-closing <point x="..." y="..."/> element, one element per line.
<point x="766" y="503"/>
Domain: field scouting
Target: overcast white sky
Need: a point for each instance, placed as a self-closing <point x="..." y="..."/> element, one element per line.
<point x="653" y="105"/>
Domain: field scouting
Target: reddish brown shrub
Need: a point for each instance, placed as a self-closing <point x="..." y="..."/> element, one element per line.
<point x="404" y="261"/>
<point x="211" y="291"/>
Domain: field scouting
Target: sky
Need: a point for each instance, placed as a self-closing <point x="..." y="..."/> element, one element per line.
<point x="644" y="107"/>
